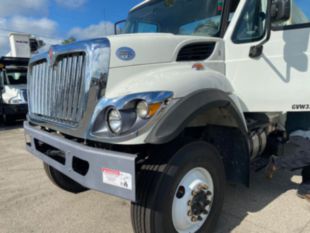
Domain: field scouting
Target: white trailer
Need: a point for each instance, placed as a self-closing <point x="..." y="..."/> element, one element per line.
<point x="20" y="45"/>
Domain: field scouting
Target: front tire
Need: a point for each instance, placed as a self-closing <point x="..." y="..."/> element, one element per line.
<point x="61" y="181"/>
<point x="184" y="195"/>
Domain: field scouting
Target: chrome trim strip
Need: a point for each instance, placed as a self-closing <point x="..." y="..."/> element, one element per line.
<point x="141" y="125"/>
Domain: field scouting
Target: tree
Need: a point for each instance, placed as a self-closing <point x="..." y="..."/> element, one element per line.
<point x="69" y="40"/>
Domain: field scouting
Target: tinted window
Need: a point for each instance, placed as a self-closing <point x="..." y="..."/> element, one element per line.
<point x="15" y="77"/>
<point x="189" y="17"/>
<point x="252" y="23"/>
<point x="147" y="27"/>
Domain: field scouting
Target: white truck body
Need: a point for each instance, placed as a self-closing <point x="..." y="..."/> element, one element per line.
<point x="193" y="92"/>
<point x="20" y="45"/>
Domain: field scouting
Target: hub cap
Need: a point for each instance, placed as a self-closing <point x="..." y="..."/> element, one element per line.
<point x="192" y="201"/>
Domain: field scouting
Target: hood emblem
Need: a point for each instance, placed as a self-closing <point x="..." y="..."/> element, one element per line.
<point x="51" y="56"/>
<point x="125" y="54"/>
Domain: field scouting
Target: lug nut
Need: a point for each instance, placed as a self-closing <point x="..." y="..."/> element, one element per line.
<point x="207" y="202"/>
<point x="189" y="213"/>
<point x="194" y="219"/>
<point x="189" y="203"/>
<point x="205" y="187"/>
<point x="205" y="212"/>
<point x="194" y="193"/>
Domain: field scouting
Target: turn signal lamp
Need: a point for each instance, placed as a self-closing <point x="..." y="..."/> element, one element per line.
<point x="198" y="66"/>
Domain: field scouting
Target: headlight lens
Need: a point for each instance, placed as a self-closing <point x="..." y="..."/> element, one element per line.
<point x="16" y="100"/>
<point x="115" y="121"/>
<point x="142" y="109"/>
<point x="145" y="110"/>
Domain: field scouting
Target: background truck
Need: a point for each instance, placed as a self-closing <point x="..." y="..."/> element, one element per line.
<point x="13" y="88"/>
<point x="165" y="113"/>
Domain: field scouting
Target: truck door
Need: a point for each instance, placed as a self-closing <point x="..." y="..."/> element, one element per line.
<point x="279" y="80"/>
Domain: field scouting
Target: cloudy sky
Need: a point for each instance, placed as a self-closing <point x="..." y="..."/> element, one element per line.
<point x="55" y="20"/>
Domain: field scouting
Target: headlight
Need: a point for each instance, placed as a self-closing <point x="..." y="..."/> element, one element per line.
<point x="130" y="115"/>
<point x="121" y="121"/>
<point x="145" y="110"/>
<point x="142" y="109"/>
<point x="16" y="100"/>
<point x="115" y="121"/>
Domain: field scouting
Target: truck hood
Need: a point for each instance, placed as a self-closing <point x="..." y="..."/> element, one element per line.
<point x="150" y="48"/>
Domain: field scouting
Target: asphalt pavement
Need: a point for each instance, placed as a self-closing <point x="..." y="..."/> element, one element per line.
<point x="30" y="203"/>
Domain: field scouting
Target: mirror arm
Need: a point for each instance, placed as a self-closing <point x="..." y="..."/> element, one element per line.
<point x="257" y="50"/>
<point x="117" y="23"/>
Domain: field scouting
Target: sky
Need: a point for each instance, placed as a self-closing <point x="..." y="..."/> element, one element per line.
<point x="56" y="20"/>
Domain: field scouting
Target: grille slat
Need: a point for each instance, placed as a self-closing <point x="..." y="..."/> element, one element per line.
<point x="67" y="88"/>
<point x="77" y="84"/>
<point x="50" y="96"/>
<point x="57" y="92"/>
<point x="72" y="85"/>
<point x="45" y="90"/>
<point x="81" y="81"/>
<point x="62" y="89"/>
<point x="40" y="81"/>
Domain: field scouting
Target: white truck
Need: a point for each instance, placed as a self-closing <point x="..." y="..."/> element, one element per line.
<point x="13" y="88"/>
<point x="13" y="78"/>
<point x="165" y="113"/>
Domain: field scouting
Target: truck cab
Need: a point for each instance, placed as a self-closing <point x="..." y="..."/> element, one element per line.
<point x="181" y="100"/>
<point x="13" y="88"/>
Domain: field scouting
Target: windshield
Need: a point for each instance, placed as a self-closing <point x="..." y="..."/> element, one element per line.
<point x="15" y="77"/>
<point x="180" y="17"/>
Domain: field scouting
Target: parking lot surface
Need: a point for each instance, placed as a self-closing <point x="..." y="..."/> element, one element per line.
<point x="30" y="203"/>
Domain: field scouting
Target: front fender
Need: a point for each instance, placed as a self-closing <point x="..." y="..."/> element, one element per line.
<point x="232" y="142"/>
<point x="186" y="109"/>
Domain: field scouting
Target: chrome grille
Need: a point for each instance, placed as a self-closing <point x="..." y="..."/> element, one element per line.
<point x="56" y="93"/>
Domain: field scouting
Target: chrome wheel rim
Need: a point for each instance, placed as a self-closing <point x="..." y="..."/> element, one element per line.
<point x="192" y="201"/>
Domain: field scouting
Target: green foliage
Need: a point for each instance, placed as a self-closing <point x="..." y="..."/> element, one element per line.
<point x="69" y="40"/>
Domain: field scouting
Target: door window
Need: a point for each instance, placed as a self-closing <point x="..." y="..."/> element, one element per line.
<point x="147" y="27"/>
<point x="16" y="77"/>
<point x="252" y="23"/>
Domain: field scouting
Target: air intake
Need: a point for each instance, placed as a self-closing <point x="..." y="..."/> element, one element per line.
<point x="196" y="52"/>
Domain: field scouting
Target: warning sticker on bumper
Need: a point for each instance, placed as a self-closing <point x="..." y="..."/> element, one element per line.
<point x="117" y="178"/>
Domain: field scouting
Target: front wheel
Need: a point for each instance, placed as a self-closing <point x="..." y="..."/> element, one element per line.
<point x="61" y="181"/>
<point x="184" y="195"/>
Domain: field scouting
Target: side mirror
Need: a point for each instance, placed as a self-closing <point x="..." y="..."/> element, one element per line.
<point x="277" y="10"/>
<point x="280" y="10"/>
<point x="119" y="27"/>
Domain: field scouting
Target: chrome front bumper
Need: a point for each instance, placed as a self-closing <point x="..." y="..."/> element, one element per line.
<point x="108" y="171"/>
